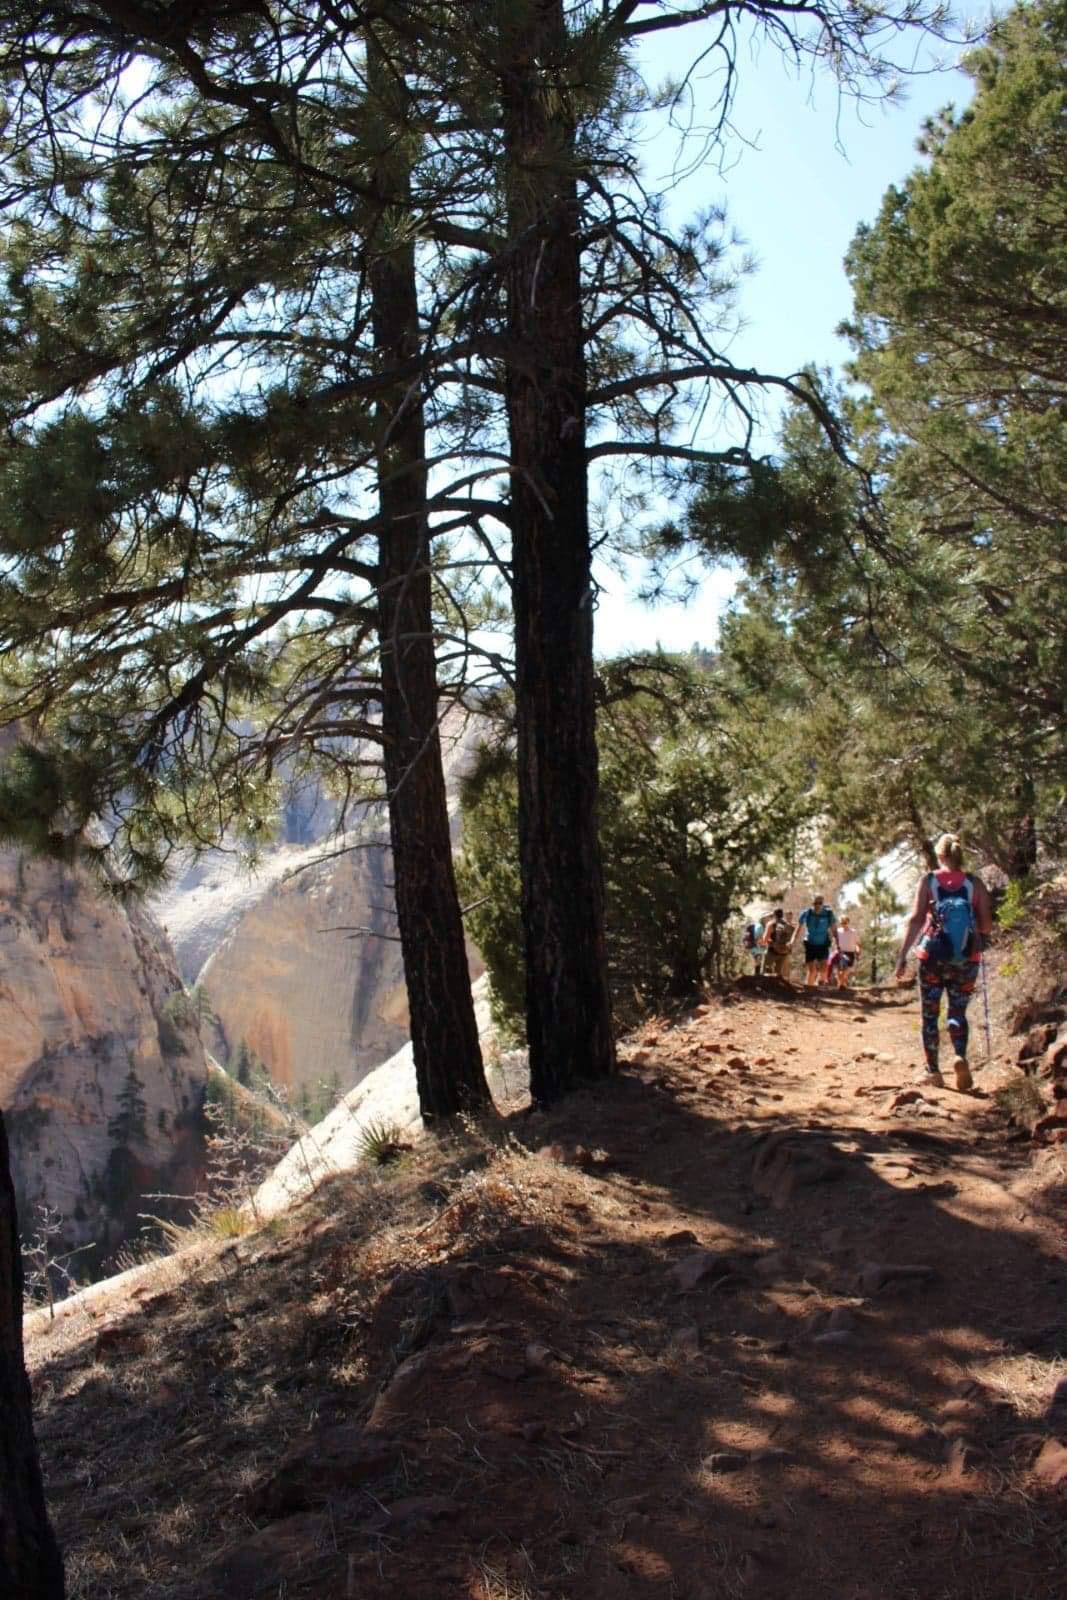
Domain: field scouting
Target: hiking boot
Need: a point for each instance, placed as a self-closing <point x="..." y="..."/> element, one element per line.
<point x="963" y="1074"/>
<point x="929" y="1080"/>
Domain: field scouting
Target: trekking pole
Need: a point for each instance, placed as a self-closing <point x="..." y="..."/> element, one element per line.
<point x="985" y="1004"/>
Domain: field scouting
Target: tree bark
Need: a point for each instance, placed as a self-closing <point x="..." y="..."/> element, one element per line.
<point x="444" y="1033"/>
<point x="1022" y="844"/>
<point x="568" y="1008"/>
<point x="30" y="1564"/>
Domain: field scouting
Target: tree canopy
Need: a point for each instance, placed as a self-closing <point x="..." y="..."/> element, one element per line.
<point x="914" y="578"/>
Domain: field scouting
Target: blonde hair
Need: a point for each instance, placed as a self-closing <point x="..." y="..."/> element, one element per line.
<point x="949" y="850"/>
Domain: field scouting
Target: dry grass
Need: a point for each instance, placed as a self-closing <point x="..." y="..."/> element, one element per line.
<point x="1025" y="1383"/>
<point x="1021" y="1100"/>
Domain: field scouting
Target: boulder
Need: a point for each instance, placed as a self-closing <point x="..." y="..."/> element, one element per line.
<point x="1037" y="1041"/>
<point x="328" y="1465"/>
<point x="701" y="1264"/>
<point x="263" y="1563"/>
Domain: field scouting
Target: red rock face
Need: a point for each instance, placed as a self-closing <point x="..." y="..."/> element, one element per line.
<point x="86" y="1016"/>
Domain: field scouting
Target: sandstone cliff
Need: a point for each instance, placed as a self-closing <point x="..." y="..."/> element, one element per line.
<point x="101" y="1067"/>
<point x="315" y="1006"/>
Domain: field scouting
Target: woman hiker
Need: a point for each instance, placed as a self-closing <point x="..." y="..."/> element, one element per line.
<point x="848" y="945"/>
<point x="954" y="913"/>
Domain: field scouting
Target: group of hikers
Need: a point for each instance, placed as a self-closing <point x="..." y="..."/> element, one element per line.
<point x="949" y="925"/>
<point x="831" y="948"/>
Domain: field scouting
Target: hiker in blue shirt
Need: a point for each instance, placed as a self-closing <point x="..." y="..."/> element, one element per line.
<point x="818" y="923"/>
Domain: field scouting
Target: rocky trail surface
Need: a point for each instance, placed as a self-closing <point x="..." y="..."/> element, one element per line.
<point x="754" y="1320"/>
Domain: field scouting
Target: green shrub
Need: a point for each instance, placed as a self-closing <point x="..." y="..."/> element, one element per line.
<point x="383" y="1143"/>
<point x="689" y="816"/>
<point x="1014" y="907"/>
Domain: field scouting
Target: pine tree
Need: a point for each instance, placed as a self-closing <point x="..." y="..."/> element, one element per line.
<point x="30" y="1564"/>
<point x="176" y="508"/>
<point x="129" y="1124"/>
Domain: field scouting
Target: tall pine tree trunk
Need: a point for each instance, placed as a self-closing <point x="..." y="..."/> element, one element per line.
<point x="568" y="1009"/>
<point x="30" y="1564"/>
<point x="444" y="1033"/>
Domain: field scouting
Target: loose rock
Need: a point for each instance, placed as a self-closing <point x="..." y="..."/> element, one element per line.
<point x="725" y="1461"/>
<point x="1051" y="1464"/>
<point x="693" y="1269"/>
<point x="876" y="1276"/>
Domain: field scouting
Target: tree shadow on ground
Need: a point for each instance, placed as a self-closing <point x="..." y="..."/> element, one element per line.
<point x="634" y="1348"/>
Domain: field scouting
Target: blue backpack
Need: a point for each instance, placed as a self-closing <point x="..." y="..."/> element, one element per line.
<point x="949" y="934"/>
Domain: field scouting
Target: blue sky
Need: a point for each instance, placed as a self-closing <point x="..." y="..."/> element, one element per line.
<point x="813" y="168"/>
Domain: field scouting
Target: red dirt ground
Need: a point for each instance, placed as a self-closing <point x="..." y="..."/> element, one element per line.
<point x="732" y="1325"/>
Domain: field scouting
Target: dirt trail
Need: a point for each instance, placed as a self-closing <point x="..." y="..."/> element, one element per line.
<point x="735" y="1325"/>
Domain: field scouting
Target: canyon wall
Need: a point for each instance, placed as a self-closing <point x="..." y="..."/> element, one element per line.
<point x="101" y="1066"/>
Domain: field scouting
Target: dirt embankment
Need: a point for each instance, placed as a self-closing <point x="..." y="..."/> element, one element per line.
<point x="758" y="1319"/>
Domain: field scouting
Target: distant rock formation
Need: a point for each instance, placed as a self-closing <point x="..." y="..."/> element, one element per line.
<point x="315" y="1006"/>
<point x="102" y="1048"/>
<point x="101" y="1067"/>
<point x="385" y="1100"/>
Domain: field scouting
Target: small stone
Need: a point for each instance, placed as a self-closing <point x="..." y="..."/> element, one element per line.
<point x="117" y="1342"/>
<point x="1054" y="1060"/>
<point x="1051" y="1463"/>
<point x="1037" y="1041"/>
<point x="903" y="1097"/>
<point x="333" y="1461"/>
<point x="693" y="1269"/>
<point x="738" y="1064"/>
<point x="972" y="1389"/>
<point x="263" y="1562"/>
<point x="538" y="1357"/>
<point x="686" y="1341"/>
<point x="506" y="1369"/>
<point x="1057" y="1406"/>
<point x="965" y="1409"/>
<point x="680" y="1236"/>
<point x="964" y="1456"/>
<point x="725" y="1461"/>
<point x="775" y="1264"/>
<point x="835" y="1337"/>
<point x="876" y="1276"/>
<point x="419" y="1508"/>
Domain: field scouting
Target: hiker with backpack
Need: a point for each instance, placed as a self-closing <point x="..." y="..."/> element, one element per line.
<point x="847" y="951"/>
<point x="778" y="939"/>
<point x="752" y="941"/>
<point x="952" y="917"/>
<point x="818" y="923"/>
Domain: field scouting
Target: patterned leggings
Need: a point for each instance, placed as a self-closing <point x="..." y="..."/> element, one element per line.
<point x="958" y="978"/>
